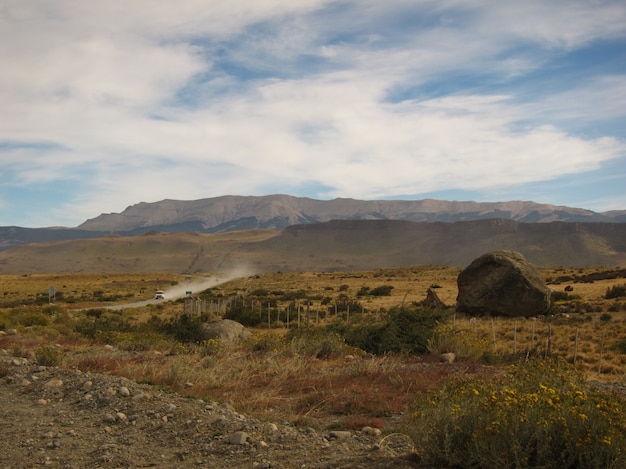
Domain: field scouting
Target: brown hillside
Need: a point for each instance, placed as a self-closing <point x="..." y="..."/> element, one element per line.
<point x="334" y="246"/>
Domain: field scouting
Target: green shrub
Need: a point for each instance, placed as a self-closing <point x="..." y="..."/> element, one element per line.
<point x="464" y="344"/>
<point x="406" y="330"/>
<point x="383" y="290"/>
<point x="184" y="327"/>
<point x="540" y="414"/>
<point x="318" y="343"/>
<point x="264" y="343"/>
<point x="48" y="355"/>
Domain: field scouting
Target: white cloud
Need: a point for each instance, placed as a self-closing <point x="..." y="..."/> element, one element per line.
<point x="153" y="100"/>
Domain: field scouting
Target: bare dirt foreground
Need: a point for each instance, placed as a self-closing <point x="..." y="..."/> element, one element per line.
<point x="61" y="418"/>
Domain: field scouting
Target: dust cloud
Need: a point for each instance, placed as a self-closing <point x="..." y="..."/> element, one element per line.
<point x="196" y="286"/>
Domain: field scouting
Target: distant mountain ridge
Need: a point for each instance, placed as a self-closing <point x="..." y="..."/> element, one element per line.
<point x="277" y="212"/>
<point x="229" y="213"/>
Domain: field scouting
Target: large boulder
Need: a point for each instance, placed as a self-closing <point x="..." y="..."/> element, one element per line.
<point x="226" y="330"/>
<point x="502" y="283"/>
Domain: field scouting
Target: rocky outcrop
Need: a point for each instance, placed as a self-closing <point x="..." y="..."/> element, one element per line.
<point x="226" y="330"/>
<point x="502" y="283"/>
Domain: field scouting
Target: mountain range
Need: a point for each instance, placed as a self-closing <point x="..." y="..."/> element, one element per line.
<point x="229" y="213"/>
<point x="281" y="232"/>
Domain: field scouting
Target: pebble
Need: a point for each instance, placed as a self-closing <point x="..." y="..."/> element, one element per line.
<point x="238" y="438"/>
<point x="124" y="392"/>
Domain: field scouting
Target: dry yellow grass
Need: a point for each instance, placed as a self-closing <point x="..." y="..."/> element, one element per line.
<point x="282" y="384"/>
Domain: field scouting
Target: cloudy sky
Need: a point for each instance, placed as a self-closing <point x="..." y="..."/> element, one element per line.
<point x="105" y="104"/>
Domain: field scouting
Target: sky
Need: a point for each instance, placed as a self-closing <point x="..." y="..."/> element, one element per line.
<point x="107" y="104"/>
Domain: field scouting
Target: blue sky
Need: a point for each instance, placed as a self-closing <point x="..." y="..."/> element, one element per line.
<point x="108" y="104"/>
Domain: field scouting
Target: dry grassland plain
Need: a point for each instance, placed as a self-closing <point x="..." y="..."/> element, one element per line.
<point x="267" y="381"/>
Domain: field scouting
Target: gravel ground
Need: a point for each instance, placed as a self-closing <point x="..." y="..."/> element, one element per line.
<point x="71" y="419"/>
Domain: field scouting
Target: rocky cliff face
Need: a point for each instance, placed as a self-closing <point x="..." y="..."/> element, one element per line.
<point x="229" y="213"/>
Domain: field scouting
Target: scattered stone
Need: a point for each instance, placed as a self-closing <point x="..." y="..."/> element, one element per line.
<point x="87" y="385"/>
<point x="109" y="418"/>
<point x="448" y="357"/>
<point x="371" y="431"/>
<point x="433" y="301"/>
<point x="42" y="402"/>
<point x="238" y="438"/>
<point x="124" y="392"/>
<point x="11" y="331"/>
<point x="54" y="383"/>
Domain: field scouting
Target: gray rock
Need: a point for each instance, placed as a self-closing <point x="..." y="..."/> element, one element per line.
<point x="238" y="438"/>
<point x="226" y="330"/>
<point x="502" y="283"/>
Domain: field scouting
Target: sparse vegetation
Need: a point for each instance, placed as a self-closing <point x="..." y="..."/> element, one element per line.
<point x="541" y="413"/>
<point x="306" y="360"/>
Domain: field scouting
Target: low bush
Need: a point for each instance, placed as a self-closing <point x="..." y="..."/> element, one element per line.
<point x="615" y="291"/>
<point x="317" y="343"/>
<point x="405" y="330"/>
<point x="541" y="413"/>
<point x="48" y="355"/>
<point x="463" y="343"/>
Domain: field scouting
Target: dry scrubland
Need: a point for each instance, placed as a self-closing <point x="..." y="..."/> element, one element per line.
<point x="316" y="379"/>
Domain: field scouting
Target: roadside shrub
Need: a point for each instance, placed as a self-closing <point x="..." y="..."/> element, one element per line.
<point x="383" y="290"/>
<point x="34" y="319"/>
<point x="265" y="343"/>
<point x="318" y="343"/>
<point x="246" y="316"/>
<point x="615" y="291"/>
<point x="184" y="327"/>
<point x="48" y="355"/>
<point x="542" y="413"/>
<point x="406" y="330"/>
<point x="464" y="344"/>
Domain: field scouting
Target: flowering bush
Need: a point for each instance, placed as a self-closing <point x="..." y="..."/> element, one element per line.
<point x="540" y="414"/>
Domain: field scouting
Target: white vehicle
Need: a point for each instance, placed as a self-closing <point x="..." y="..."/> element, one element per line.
<point x="159" y="295"/>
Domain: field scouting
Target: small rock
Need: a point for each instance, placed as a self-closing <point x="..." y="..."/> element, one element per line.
<point x="54" y="383"/>
<point x="447" y="357"/>
<point x="124" y="392"/>
<point x="371" y="431"/>
<point x="141" y="396"/>
<point x="238" y="438"/>
<point x="109" y="418"/>
<point x="121" y="416"/>
<point x="42" y="402"/>
<point x="11" y="331"/>
<point x="87" y="385"/>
